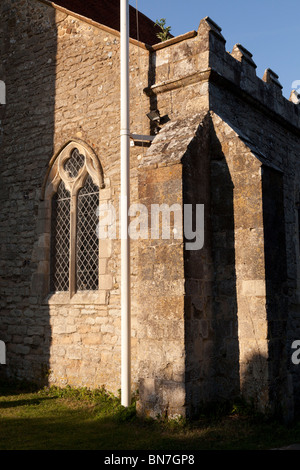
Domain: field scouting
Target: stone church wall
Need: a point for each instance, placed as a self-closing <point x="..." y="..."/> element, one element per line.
<point x="62" y="77"/>
<point x="207" y="324"/>
<point x="251" y="238"/>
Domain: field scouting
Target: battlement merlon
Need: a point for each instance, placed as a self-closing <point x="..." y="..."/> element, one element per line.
<point x="202" y="57"/>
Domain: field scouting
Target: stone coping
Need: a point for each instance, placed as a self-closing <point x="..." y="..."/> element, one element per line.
<point x="155" y="47"/>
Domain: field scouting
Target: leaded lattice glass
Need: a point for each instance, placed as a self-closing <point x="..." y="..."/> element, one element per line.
<point x="60" y="240"/>
<point x="87" y="244"/>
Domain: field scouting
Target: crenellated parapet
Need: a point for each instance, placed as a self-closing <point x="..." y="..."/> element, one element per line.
<point x="201" y="56"/>
<point x="240" y="69"/>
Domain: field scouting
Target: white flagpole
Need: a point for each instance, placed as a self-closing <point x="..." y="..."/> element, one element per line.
<point x="124" y="206"/>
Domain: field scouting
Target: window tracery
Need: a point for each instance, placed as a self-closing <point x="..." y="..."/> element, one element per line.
<point x="73" y="184"/>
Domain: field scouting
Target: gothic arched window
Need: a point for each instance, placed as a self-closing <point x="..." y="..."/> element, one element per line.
<point x="74" y="182"/>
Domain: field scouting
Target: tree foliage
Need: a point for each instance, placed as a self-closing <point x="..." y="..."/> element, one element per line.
<point x="164" y="35"/>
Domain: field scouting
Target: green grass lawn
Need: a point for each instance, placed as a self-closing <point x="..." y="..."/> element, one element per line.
<point x="77" y="419"/>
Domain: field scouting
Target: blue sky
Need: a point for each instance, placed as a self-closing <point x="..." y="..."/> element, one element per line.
<point x="270" y="30"/>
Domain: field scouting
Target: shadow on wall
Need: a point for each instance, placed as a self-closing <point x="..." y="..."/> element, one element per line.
<point x="213" y="367"/>
<point x="276" y="399"/>
<point x="276" y="288"/>
<point x="211" y="329"/>
<point x="28" y="55"/>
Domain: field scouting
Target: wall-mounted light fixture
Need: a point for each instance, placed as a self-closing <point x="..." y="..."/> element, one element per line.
<point x="154" y="116"/>
<point x="2" y="92"/>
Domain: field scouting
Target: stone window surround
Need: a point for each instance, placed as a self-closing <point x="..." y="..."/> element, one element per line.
<point x="55" y="174"/>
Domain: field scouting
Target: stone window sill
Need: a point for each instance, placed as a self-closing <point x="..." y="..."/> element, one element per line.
<point x="80" y="298"/>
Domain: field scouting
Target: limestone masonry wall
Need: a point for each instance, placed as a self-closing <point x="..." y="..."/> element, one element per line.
<point x="62" y="77"/>
<point x="208" y="324"/>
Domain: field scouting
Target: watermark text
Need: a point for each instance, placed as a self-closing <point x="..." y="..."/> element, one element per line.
<point x="2" y="352"/>
<point x="162" y="221"/>
<point x="2" y="92"/>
